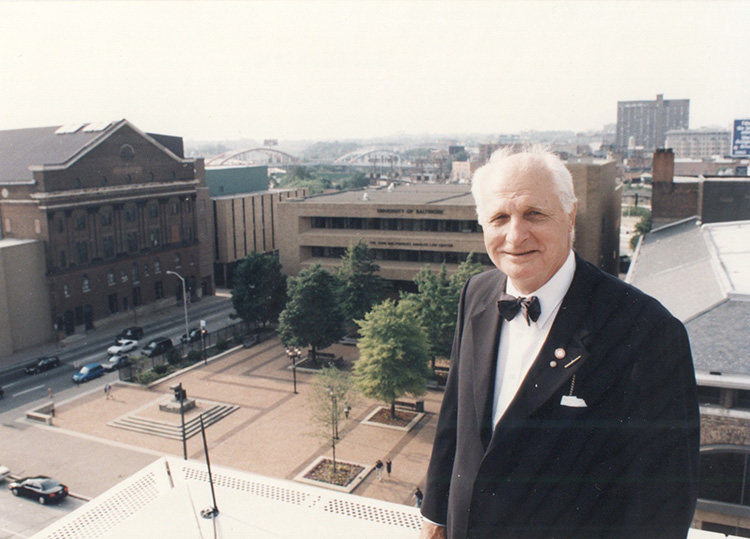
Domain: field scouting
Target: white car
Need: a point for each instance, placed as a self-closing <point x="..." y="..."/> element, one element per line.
<point x="116" y="362"/>
<point x="4" y="472"/>
<point x="123" y="346"/>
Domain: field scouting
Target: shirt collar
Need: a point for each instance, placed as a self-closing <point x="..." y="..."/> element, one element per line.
<point x="551" y="294"/>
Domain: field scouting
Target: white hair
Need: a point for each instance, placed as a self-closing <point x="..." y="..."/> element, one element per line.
<point x="527" y="157"/>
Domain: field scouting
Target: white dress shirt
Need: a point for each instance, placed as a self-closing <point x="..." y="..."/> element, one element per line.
<point x="520" y="342"/>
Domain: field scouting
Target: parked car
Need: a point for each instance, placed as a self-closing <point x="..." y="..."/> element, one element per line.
<point x="88" y="372"/>
<point x="4" y="472"/>
<point x="41" y="488"/>
<point x="133" y="333"/>
<point x="42" y="364"/>
<point x="157" y="347"/>
<point x="194" y="335"/>
<point x="123" y="346"/>
<point x="116" y="362"/>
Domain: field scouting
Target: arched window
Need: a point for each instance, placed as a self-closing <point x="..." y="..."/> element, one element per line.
<point x="177" y="261"/>
<point x="157" y="265"/>
<point x="110" y="277"/>
<point x="66" y="291"/>
<point x="85" y="283"/>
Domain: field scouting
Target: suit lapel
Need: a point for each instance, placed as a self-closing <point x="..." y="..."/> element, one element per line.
<point x="564" y="351"/>
<point x="485" y="333"/>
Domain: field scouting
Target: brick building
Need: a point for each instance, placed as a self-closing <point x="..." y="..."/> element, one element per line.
<point x="115" y="209"/>
<point x="646" y="123"/>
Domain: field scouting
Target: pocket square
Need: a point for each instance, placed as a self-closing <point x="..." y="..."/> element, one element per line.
<point x="572" y="402"/>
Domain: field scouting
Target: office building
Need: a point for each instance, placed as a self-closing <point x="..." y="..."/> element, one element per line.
<point x="699" y="143"/>
<point x="645" y="123"/>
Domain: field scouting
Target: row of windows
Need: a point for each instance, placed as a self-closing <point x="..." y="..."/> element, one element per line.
<point x="398" y="255"/>
<point x="131" y="214"/>
<point x="104" y="180"/>
<point x="411" y="225"/>
<point x="82" y="255"/>
<point x="124" y="275"/>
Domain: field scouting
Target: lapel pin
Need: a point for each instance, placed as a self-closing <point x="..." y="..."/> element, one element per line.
<point x="560" y="353"/>
<point x="553" y="363"/>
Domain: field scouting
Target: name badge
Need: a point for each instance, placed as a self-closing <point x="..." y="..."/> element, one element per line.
<point x="573" y="402"/>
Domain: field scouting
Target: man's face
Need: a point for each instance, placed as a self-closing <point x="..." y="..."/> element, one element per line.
<point x="527" y="232"/>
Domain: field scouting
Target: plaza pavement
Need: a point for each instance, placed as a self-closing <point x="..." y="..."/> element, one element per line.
<point x="271" y="433"/>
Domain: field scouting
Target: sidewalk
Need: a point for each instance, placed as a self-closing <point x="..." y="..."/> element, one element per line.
<point x="271" y="433"/>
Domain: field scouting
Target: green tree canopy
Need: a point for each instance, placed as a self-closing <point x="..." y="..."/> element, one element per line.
<point x="361" y="286"/>
<point x="259" y="288"/>
<point x="313" y="315"/>
<point x="393" y="353"/>
<point x="437" y="302"/>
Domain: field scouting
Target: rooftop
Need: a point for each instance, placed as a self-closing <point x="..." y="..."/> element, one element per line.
<point x="165" y="499"/>
<point x="399" y="195"/>
<point x="702" y="275"/>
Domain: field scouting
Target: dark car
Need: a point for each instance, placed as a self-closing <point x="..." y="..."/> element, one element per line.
<point x="88" y="372"/>
<point x="194" y="335"/>
<point x="41" y="488"/>
<point x="133" y="333"/>
<point x="157" y="347"/>
<point x="42" y="364"/>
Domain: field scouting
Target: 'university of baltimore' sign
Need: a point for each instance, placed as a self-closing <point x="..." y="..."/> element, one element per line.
<point x="741" y="138"/>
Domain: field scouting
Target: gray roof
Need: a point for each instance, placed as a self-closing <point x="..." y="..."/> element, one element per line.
<point x="702" y="275"/>
<point x="400" y="194"/>
<point x="37" y="146"/>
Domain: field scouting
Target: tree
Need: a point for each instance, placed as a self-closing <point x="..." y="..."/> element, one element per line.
<point x="313" y="315"/>
<point x="393" y="353"/>
<point x="329" y="395"/>
<point x="641" y="227"/>
<point x="259" y="289"/>
<point x="361" y="286"/>
<point x="437" y="300"/>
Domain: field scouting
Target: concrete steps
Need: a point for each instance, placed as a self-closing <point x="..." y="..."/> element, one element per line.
<point x="173" y="429"/>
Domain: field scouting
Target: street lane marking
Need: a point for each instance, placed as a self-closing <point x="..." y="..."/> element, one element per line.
<point x="27" y="391"/>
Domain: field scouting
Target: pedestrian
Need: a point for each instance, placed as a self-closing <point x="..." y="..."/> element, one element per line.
<point x="49" y="392"/>
<point x="347" y="409"/>
<point x="419" y="496"/>
<point x="107" y="390"/>
<point x="388" y="466"/>
<point x="379" y="469"/>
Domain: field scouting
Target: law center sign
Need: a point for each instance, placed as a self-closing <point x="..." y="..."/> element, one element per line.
<point x="741" y="138"/>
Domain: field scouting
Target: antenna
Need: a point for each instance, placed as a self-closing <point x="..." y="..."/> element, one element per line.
<point x="210" y="512"/>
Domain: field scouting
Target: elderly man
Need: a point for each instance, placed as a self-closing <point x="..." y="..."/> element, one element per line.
<point x="570" y="409"/>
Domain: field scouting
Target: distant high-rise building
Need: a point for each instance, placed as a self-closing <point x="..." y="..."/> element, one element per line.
<point x="645" y="123"/>
<point x="700" y="143"/>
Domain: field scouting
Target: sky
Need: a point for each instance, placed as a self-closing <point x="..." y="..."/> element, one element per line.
<point x="340" y="70"/>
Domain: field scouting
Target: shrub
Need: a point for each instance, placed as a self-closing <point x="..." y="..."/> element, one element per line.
<point x="222" y="345"/>
<point x="174" y="356"/>
<point x="146" y="377"/>
<point x="160" y="369"/>
<point x="194" y="356"/>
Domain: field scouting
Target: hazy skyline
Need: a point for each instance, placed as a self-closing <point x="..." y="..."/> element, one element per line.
<point x="345" y="69"/>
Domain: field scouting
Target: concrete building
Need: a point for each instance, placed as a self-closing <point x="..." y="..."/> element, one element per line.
<point x="247" y="223"/>
<point x="705" y="143"/>
<point x="409" y="226"/>
<point x="115" y="209"/>
<point x="23" y="302"/>
<point x="462" y="171"/>
<point x="645" y="123"/>
<point x="702" y="275"/>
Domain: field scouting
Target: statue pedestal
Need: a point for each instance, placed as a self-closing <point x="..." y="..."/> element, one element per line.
<point x="173" y="406"/>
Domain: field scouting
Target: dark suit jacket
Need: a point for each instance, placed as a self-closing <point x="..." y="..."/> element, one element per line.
<point x="625" y="465"/>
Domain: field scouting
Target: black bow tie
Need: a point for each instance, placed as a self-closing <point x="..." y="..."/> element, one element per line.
<point x="508" y="307"/>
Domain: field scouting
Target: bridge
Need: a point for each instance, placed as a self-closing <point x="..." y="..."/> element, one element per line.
<point x="253" y="156"/>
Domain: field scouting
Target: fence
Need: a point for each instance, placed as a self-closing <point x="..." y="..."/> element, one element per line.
<point x="220" y="339"/>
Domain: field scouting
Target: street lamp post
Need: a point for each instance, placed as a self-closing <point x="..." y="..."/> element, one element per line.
<point x="184" y="299"/>
<point x="293" y="354"/>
